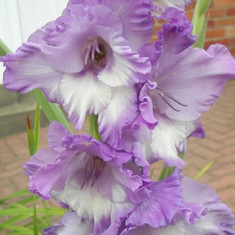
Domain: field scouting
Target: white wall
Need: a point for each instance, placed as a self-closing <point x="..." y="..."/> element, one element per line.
<point x="20" y="18"/>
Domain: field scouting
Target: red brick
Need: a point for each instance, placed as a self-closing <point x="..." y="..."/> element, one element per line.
<point x="227" y="193"/>
<point x="14" y="164"/>
<point x="227" y="41"/>
<point x="189" y="15"/>
<point x="230" y="32"/>
<point x="213" y="13"/>
<point x="4" y="183"/>
<point x="21" y="181"/>
<point x="208" y="43"/>
<point x="224" y="22"/>
<point x="223" y="170"/>
<point x="211" y="23"/>
<point x="224" y="3"/>
<point x="230" y="12"/>
<point x="7" y="190"/>
<point x="223" y="182"/>
<point x="10" y="173"/>
<point x="225" y="160"/>
<point x="228" y="150"/>
<point x="215" y="33"/>
<point x="232" y="51"/>
<point x="7" y="157"/>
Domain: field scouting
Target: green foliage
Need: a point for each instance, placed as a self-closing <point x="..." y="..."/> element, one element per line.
<point x="20" y="210"/>
<point x="17" y="213"/>
<point x="202" y="171"/>
<point x="52" y="111"/>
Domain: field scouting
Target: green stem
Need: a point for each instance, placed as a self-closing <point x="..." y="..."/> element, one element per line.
<point x="94" y="127"/>
<point x="46" y="213"/>
<point x="200" y="22"/>
<point x="4" y="49"/>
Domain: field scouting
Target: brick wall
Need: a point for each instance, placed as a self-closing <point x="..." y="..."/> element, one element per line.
<point x="221" y="23"/>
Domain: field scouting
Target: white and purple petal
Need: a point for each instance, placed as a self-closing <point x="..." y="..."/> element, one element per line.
<point x="167" y="138"/>
<point x="83" y="94"/>
<point x="70" y="224"/>
<point x="28" y="69"/>
<point x="136" y="21"/>
<point x="121" y="110"/>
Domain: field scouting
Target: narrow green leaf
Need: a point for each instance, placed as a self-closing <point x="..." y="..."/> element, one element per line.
<point x="35" y="230"/>
<point x="18" y="229"/>
<point x="28" y="200"/>
<point x="17" y="211"/>
<point x="206" y="168"/>
<point x="4" y="49"/>
<point x="17" y="205"/>
<point x="94" y="127"/>
<point x="47" y="217"/>
<point x="14" y="220"/>
<point x="13" y="195"/>
<point x="30" y="136"/>
<point x="36" y="130"/>
<point x="52" y="111"/>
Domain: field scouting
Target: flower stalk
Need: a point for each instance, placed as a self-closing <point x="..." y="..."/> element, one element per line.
<point x="200" y="21"/>
<point x="3" y="48"/>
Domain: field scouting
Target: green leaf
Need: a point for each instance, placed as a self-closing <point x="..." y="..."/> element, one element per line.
<point x="16" y="211"/>
<point x="52" y="111"/>
<point x="35" y="230"/>
<point x="206" y="168"/>
<point x="36" y="130"/>
<point x="18" y="229"/>
<point x="14" y="220"/>
<point x="28" y="200"/>
<point x="47" y="217"/>
<point x="13" y="195"/>
<point x="30" y="135"/>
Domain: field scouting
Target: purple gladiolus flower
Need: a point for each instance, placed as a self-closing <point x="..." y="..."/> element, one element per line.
<point x="201" y="212"/>
<point x="87" y="61"/>
<point x="70" y="224"/>
<point x="93" y="179"/>
<point x="185" y="83"/>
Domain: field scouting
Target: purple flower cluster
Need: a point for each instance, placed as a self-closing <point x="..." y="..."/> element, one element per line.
<point x="97" y="59"/>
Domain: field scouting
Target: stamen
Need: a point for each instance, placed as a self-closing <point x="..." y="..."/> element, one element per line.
<point x="85" y="174"/>
<point x="93" y="172"/>
<point x="164" y="94"/>
<point x="88" y="51"/>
